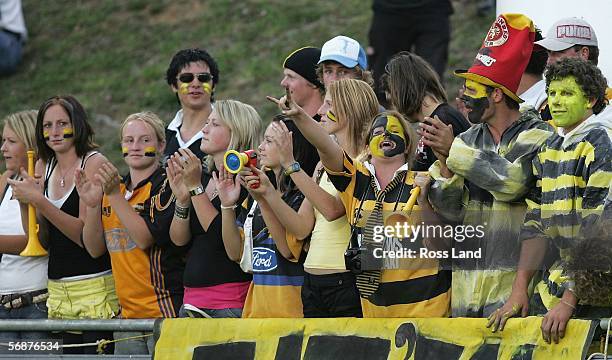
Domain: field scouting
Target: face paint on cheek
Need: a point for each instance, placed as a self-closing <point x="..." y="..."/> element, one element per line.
<point x="68" y="133"/>
<point x="150" y="151"/>
<point x="477" y="108"/>
<point x="392" y="141"/>
<point x="184" y="88"/>
<point x="207" y="88"/>
<point x="568" y="103"/>
<point x="124" y="150"/>
<point x="46" y="135"/>
<point x="375" y="145"/>
<point x="331" y="116"/>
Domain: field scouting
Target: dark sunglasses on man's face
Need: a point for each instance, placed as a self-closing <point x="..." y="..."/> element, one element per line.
<point x="188" y="77"/>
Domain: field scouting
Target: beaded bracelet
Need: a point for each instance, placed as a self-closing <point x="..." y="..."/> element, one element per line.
<point x="181" y="212"/>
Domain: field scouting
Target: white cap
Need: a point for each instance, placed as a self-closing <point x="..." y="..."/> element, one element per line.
<point x="568" y="32"/>
<point x="344" y="50"/>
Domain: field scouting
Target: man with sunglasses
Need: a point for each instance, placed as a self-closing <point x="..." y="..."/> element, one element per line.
<point x="192" y="76"/>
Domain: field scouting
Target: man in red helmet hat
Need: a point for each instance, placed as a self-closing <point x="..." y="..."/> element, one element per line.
<point x="483" y="175"/>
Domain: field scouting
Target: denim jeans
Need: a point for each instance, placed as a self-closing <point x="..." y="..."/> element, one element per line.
<point x="10" y="52"/>
<point x="33" y="311"/>
<point x="213" y="313"/>
<point x="138" y="346"/>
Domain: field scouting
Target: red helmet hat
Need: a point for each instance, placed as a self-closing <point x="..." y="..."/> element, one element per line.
<point x="504" y="54"/>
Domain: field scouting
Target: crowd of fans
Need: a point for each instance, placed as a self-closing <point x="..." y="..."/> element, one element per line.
<point x="526" y="156"/>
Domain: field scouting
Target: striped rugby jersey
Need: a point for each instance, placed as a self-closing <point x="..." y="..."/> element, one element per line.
<point x="488" y="188"/>
<point x="418" y="289"/>
<point x="574" y="173"/>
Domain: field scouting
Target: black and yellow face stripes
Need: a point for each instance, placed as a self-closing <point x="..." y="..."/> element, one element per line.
<point x="46" y="135"/>
<point x="149" y="151"/>
<point x="68" y="133"/>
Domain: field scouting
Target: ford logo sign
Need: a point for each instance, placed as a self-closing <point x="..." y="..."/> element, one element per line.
<point x="264" y="259"/>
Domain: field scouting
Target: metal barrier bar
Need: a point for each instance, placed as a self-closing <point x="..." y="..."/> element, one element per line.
<point x="78" y="325"/>
<point x="603" y="323"/>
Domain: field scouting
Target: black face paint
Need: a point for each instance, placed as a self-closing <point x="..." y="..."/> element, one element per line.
<point x="477" y="108"/>
<point x="394" y="132"/>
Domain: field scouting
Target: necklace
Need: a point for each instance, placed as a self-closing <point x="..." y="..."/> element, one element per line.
<point x="63" y="175"/>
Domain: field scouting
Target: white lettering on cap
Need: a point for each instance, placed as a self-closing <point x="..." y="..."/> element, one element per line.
<point x="574" y="32"/>
<point x="486" y="60"/>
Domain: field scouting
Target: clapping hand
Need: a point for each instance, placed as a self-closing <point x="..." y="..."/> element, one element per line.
<point x="89" y="191"/>
<point x="227" y="187"/>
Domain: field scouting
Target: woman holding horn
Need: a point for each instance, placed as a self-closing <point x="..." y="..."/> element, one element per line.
<point x="80" y="286"/>
<point x="23" y="280"/>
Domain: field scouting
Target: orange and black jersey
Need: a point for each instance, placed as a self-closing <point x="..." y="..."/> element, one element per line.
<point x="148" y="282"/>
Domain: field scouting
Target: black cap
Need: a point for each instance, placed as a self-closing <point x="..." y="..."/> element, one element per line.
<point x="304" y="62"/>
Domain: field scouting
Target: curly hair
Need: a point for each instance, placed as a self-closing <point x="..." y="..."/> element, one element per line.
<point x="587" y="75"/>
<point x="184" y="57"/>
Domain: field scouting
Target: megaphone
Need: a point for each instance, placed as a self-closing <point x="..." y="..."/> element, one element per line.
<point x="234" y="161"/>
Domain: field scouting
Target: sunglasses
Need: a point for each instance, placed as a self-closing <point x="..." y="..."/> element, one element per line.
<point x="188" y="77"/>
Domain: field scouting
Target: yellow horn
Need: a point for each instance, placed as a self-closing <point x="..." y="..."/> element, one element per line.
<point x="33" y="248"/>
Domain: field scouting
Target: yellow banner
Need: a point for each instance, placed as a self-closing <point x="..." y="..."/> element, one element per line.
<point x="351" y="339"/>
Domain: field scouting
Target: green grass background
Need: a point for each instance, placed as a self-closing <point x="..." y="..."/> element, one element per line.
<point x="112" y="55"/>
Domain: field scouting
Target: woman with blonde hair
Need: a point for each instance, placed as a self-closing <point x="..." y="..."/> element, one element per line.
<point x="329" y="289"/>
<point x="23" y="280"/>
<point x="215" y="286"/>
<point x="147" y="267"/>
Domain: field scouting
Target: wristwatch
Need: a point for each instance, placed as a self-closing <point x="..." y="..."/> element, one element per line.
<point x="295" y="167"/>
<point x="196" y="191"/>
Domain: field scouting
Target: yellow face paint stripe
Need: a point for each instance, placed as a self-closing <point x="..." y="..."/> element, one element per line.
<point x="46" y="135"/>
<point x="150" y="151"/>
<point x="124" y="150"/>
<point x="331" y="116"/>
<point x="474" y="89"/>
<point x="68" y="133"/>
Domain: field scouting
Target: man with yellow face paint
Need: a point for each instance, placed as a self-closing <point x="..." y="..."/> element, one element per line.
<point x="574" y="173"/>
<point x="387" y="138"/>
<point x="192" y="75"/>
<point x="483" y="175"/>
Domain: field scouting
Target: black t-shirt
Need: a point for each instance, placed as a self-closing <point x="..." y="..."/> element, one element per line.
<point x="449" y="115"/>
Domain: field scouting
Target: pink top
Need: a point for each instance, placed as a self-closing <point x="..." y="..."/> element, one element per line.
<point x="223" y="296"/>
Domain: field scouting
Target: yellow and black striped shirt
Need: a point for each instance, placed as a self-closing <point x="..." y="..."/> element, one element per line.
<point x="422" y="290"/>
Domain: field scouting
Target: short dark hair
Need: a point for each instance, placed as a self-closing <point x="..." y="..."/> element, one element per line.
<point x="83" y="132"/>
<point x="539" y="57"/>
<point x="303" y="152"/>
<point x="186" y="56"/>
<point x="510" y="102"/>
<point x="409" y="78"/>
<point x="587" y="75"/>
<point x="593" y="52"/>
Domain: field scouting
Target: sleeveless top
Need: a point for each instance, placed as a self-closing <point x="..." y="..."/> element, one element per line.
<point x="18" y="274"/>
<point x="329" y="239"/>
<point x="67" y="259"/>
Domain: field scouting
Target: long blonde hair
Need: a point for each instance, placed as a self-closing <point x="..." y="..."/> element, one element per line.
<point x="355" y="103"/>
<point x="244" y="123"/>
<point x="23" y="123"/>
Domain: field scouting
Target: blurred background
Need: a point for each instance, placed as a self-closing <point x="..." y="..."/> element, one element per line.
<point x="112" y="55"/>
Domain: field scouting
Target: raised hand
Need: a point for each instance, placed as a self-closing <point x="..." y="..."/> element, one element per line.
<point x="89" y="191"/>
<point x="28" y="189"/>
<point x="227" y="187"/>
<point x="174" y="172"/>
<point x="437" y="135"/>
<point x="284" y="142"/>
<point x="251" y="176"/>
<point x="192" y="168"/>
<point x="286" y="104"/>
<point x="108" y="177"/>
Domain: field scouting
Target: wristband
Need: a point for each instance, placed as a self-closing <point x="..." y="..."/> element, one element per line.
<point x="196" y="191"/>
<point x="181" y="212"/>
<point x="293" y="168"/>
<point x="232" y="207"/>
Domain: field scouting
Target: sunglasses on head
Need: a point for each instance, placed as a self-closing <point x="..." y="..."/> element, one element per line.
<point x="188" y="77"/>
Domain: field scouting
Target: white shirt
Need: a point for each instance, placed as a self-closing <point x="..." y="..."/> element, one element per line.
<point x="175" y="125"/>
<point x="11" y="17"/>
<point x="18" y="274"/>
<point x="535" y="95"/>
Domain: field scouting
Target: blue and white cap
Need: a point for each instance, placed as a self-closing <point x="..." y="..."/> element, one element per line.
<point x="345" y="51"/>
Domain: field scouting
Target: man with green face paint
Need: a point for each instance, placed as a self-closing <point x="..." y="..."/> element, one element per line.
<point x="574" y="173"/>
<point x="483" y="175"/>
